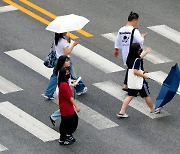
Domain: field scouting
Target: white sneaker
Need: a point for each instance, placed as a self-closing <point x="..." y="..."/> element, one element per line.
<point x="122" y="115"/>
<point x="49" y="98"/>
<point x="84" y="91"/>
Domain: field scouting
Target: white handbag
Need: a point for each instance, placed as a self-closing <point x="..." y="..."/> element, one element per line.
<point x="134" y="81"/>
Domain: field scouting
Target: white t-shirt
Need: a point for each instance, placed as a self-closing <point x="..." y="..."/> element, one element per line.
<point x="60" y="47"/>
<point x="123" y="40"/>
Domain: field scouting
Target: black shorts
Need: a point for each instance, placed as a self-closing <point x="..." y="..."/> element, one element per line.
<point x="144" y="92"/>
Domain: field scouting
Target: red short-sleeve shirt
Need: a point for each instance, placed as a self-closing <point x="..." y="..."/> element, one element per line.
<point x="65" y="105"/>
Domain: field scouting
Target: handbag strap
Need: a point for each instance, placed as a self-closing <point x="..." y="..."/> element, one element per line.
<point x="134" y="63"/>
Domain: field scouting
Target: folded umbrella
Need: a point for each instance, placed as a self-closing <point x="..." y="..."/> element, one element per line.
<point x="169" y="87"/>
<point x="67" y="23"/>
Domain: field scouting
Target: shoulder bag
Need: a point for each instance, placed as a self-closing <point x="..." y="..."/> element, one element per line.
<point x="134" y="81"/>
<point x="51" y="58"/>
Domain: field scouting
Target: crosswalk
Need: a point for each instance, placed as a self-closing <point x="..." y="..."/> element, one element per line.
<point x="3" y="148"/>
<point x="92" y="117"/>
<point x="154" y="57"/>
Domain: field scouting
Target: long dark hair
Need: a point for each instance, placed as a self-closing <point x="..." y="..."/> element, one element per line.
<point x="57" y="37"/>
<point x="133" y="52"/>
<point x="60" y="63"/>
<point x="62" y="73"/>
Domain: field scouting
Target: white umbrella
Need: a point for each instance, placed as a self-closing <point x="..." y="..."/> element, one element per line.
<point x="67" y="23"/>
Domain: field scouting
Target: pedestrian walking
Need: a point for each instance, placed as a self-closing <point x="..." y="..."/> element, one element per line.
<point x="67" y="106"/>
<point x="63" y="61"/>
<point x="62" y="48"/>
<point x="135" y="61"/>
<point x="127" y="35"/>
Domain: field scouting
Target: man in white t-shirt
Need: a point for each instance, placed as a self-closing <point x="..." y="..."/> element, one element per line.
<point x="123" y="40"/>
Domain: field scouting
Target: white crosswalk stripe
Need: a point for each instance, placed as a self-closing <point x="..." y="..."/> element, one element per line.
<point x="159" y="77"/>
<point x="154" y="57"/>
<point x="2" y="148"/>
<point x="137" y="103"/>
<point x="7" y="86"/>
<point x="94" y="118"/>
<point x="28" y="122"/>
<point x="96" y="60"/>
<point x="7" y="8"/>
<point x="167" y="32"/>
<point x="32" y="62"/>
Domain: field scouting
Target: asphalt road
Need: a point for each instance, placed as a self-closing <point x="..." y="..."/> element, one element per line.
<point x="139" y="133"/>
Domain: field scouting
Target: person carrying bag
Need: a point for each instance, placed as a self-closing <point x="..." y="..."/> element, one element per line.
<point x="137" y="75"/>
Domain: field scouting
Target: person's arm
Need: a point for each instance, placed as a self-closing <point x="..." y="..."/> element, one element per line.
<point x="75" y="104"/>
<point x="68" y="50"/>
<point x="116" y="52"/>
<point x="117" y="45"/>
<point x="137" y="71"/>
<point x="140" y="73"/>
<point x="138" y="37"/>
<point x="144" y="53"/>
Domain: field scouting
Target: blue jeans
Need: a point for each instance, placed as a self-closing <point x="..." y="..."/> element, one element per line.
<point x="56" y="115"/>
<point x="80" y="86"/>
<point x="52" y="83"/>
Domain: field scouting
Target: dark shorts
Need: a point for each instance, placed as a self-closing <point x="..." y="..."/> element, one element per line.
<point x="144" y="92"/>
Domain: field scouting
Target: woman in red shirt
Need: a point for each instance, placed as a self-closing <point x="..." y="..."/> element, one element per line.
<point x="69" y="118"/>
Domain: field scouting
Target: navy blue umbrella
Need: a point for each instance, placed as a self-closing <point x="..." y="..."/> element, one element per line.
<point x="169" y="87"/>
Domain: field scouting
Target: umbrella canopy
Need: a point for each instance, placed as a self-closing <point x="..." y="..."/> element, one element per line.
<point x="169" y="87"/>
<point x="67" y="23"/>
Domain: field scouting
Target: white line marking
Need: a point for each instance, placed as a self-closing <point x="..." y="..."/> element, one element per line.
<point x="37" y="65"/>
<point x="30" y="61"/>
<point x="28" y="122"/>
<point x="96" y="60"/>
<point x="7" y="8"/>
<point x="154" y="57"/>
<point x="2" y="148"/>
<point x="159" y="77"/>
<point x="167" y="32"/>
<point x="137" y="103"/>
<point x="94" y="118"/>
<point x="7" y="86"/>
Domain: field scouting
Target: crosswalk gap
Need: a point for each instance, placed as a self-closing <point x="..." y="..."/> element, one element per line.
<point x="154" y="57"/>
<point x="137" y="103"/>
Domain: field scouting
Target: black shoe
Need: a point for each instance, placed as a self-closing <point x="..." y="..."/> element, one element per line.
<point x="71" y="138"/>
<point x="52" y="121"/>
<point x="65" y="142"/>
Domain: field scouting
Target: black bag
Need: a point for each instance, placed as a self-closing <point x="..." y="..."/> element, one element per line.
<point x="51" y="58"/>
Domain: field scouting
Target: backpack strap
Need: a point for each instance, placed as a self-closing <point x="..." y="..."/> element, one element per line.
<point x="132" y="35"/>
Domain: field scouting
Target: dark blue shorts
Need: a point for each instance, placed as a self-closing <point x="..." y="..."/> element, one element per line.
<point x="144" y="92"/>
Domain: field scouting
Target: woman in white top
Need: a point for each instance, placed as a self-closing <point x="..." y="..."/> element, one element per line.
<point x="62" y="48"/>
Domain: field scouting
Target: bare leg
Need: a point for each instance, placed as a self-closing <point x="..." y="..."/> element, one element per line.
<point x="126" y="101"/>
<point x="150" y="103"/>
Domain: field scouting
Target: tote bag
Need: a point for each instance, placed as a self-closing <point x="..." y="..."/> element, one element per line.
<point x="134" y="81"/>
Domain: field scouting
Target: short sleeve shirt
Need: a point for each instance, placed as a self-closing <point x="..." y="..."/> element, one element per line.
<point x="65" y="105"/>
<point x="60" y="47"/>
<point x="123" y="40"/>
<point x="138" y="64"/>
